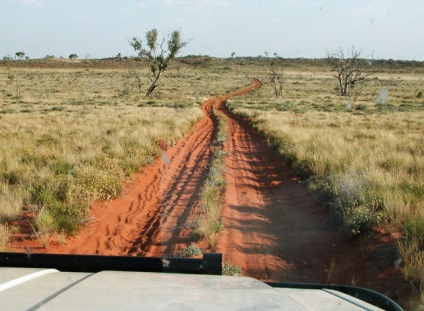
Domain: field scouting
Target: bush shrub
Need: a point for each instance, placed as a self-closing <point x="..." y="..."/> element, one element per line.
<point x="191" y="251"/>
<point x="359" y="219"/>
<point x="231" y="270"/>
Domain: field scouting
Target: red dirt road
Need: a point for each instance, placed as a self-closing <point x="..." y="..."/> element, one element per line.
<point x="150" y="219"/>
<point x="274" y="229"/>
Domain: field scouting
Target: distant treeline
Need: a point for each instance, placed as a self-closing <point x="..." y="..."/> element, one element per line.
<point x="195" y="60"/>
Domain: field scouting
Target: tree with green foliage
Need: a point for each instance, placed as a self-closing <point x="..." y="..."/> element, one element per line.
<point x="20" y="54"/>
<point x="73" y="56"/>
<point x="158" y="53"/>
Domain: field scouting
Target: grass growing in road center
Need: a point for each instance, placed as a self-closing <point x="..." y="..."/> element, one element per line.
<point x="210" y="224"/>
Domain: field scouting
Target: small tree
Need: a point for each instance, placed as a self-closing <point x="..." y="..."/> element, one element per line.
<point x="351" y="72"/>
<point x="157" y="54"/>
<point x="20" y="54"/>
<point x="276" y="78"/>
<point x="73" y="56"/>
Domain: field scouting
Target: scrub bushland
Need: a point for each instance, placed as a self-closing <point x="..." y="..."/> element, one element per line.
<point x="70" y="132"/>
<point x="58" y="163"/>
<point x="365" y="161"/>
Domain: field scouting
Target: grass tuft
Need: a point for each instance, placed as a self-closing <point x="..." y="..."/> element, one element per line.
<point x="411" y="248"/>
<point x="231" y="270"/>
<point x="5" y="233"/>
<point x="191" y="251"/>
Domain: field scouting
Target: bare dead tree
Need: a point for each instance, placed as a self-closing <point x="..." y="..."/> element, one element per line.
<point x="351" y="71"/>
<point x="126" y="84"/>
<point x="158" y="53"/>
<point x="138" y="79"/>
<point x="132" y="79"/>
<point x="276" y="78"/>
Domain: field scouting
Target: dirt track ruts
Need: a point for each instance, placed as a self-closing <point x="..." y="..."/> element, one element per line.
<point x="274" y="229"/>
<point x="150" y="218"/>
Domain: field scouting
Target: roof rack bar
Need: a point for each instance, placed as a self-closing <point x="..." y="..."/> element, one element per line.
<point x="211" y="263"/>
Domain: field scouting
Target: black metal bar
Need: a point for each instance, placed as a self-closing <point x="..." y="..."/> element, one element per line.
<point x="367" y="295"/>
<point x="212" y="262"/>
<point x="209" y="264"/>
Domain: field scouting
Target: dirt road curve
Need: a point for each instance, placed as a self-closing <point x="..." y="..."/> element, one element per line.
<point x="273" y="228"/>
<point x="150" y="218"/>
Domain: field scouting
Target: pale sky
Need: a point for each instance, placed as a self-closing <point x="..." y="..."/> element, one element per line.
<point x="292" y="28"/>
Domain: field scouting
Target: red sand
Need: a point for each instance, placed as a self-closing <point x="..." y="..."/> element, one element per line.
<point x="274" y="229"/>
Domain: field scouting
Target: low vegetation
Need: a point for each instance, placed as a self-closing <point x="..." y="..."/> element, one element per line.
<point x="191" y="251"/>
<point x="59" y="155"/>
<point x="369" y="167"/>
<point x="231" y="270"/>
<point x="367" y="162"/>
<point x="412" y="248"/>
<point x="70" y="130"/>
<point x="4" y="237"/>
<point x="210" y="223"/>
<point x="60" y="162"/>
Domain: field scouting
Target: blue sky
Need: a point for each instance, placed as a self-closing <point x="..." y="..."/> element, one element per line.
<point x="291" y="28"/>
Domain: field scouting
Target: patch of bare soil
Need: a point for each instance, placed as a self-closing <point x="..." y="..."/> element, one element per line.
<point x="274" y="229"/>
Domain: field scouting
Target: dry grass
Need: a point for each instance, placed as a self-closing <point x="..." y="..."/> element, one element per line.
<point x="64" y="160"/>
<point x="368" y="161"/>
<point x="4" y="237"/>
<point x="210" y="224"/>
<point x="61" y="147"/>
<point x="68" y="135"/>
<point x="375" y="162"/>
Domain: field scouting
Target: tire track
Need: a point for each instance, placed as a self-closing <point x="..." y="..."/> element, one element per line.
<point x="151" y="218"/>
<point x="273" y="228"/>
<point x="276" y="231"/>
<point x="181" y="196"/>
